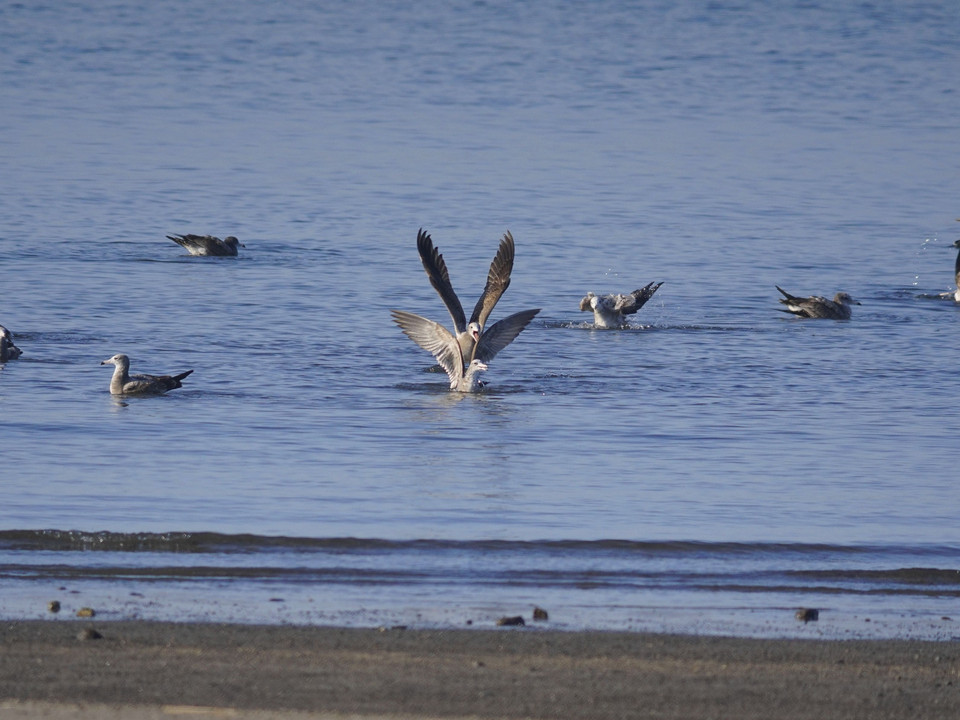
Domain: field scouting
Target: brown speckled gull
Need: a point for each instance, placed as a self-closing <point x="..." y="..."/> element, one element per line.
<point x="208" y="244"/>
<point x="816" y="306"/>
<point x="123" y="383"/>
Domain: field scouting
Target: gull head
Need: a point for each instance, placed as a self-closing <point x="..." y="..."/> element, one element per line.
<point x="844" y="299"/>
<point x="120" y="360"/>
<point x="231" y="241"/>
<point x="474" y="330"/>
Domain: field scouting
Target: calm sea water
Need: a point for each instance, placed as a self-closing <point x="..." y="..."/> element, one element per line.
<point x="709" y="469"/>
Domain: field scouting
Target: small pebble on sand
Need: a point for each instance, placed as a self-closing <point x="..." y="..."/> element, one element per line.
<point x="89" y="634"/>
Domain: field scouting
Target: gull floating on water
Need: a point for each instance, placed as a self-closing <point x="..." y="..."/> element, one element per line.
<point x="955" y="294"/>
<point x="123" y="383"/>
<point x="498" y="280"/>
<point x="8" y="351"/>
<point x="444" y="346"/>
<point x="817" y="306"/>
<point x="207" y="244"/>
<point x="610" y="311"/>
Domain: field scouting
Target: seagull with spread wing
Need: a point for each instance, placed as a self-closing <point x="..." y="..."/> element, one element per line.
<point x="610" y="311"/>
<point x="441" y="343"/>
<point x="498" y="280"/>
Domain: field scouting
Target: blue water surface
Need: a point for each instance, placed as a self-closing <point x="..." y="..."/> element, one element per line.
<point x="722" y="148"/>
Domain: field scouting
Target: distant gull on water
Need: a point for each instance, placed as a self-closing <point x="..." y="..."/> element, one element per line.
<point x="123" y="383"/>
<point x="8" y="351"/>
<point x="610" y="311"/>
<point x="817" y="306"/>
<point x="498" y="280"/>
<point x="441" y="343"/>
<point x="955" y="294"/>
<point x="207" y="244"/>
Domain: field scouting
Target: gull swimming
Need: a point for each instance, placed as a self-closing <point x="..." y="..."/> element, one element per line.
<point x="8" y="351"/>
<point x="445" y="347"/>
<point x="498" y="280"/>
<point x="955" y="294"/>
<point x="610" y="311"/>
<point x="207" y="244"/>
<point x="817" y="306"/>
<point x="123" y="383"/>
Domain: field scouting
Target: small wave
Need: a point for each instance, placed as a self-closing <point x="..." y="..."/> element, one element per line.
<point x="905" y="576"/>
<point x="215" y="542"/>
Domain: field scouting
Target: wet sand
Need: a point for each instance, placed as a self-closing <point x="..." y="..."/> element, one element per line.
<point x="146" y="670"/>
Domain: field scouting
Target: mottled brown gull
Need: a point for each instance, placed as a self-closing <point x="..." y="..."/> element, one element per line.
<point x="443" y="345"/>
<point x="8" y="351"/>
<point x="208" y="244"/>
<point x="498" y="280"/>
<point x="816" y="306"/>
<point x="123" y="383"/>
<point x="610" y="311"/>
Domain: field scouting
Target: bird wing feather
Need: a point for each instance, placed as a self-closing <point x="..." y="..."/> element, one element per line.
<point x="435" y="339"/>
<point x="498" y="280"/>
<point x="638" y="298"/>
<point x="436" y="269"/>
<point x="502" y="333"/>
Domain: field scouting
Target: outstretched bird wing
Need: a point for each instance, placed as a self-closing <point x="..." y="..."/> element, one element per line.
<point x="435" y="339"/>
<point x="498" y="280"/>
<point x="440" y="279"/>
<point x="502" y="333"/>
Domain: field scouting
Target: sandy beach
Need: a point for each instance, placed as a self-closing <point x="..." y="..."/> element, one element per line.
<point x="143" y="670"/>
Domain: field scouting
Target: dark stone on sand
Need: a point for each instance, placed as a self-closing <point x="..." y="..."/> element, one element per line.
<point x="808" y="615"/>
<point x="53" y="606"/>
<point x="89" y="634"/>
<point x="515" y="620"/>
<point x="540" y="614"/>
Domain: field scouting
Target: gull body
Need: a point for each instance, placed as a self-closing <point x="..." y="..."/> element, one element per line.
<point x="816" y="306"/>
<point x="956" y="271"/>
<point x="610" y="311"/>
<point x="123" y="383"/>
<point x="498" y="280"/>
<point x="208" y="244"/>
<point x="955" y="294"/>
<point x="444" y="346"/>
<point x="8" y="351"/>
